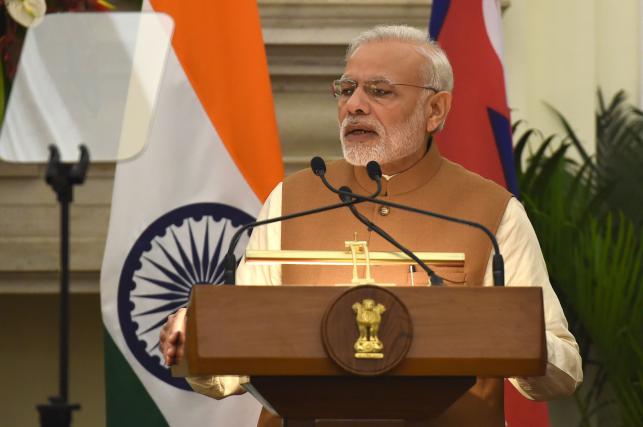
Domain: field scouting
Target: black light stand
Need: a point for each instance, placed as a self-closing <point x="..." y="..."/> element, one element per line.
<point x="62" y="177"/>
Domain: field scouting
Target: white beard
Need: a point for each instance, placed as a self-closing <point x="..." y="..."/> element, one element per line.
<point x="401" y="140"/>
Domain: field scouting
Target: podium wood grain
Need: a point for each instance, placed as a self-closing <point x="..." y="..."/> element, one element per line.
<point x="458" y="331"/>
<point x="273" y="334"/>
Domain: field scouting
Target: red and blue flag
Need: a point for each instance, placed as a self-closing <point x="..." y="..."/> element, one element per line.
<point x="478" y="131"/>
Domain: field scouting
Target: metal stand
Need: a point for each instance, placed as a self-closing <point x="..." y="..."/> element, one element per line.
<point x="62" y="177"/>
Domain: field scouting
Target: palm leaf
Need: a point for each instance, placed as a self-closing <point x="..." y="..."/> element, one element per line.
<point x="588" y="219"/>
<point x="571" y="134"/>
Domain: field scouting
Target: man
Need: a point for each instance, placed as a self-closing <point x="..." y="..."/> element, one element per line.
<point x="394" y="94"/>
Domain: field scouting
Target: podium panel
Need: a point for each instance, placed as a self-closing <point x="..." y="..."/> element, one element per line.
<point x="269" y="331"/>
<point x="274" y="335"/>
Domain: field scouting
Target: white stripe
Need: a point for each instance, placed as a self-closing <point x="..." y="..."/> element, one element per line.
<point x="185" y="162"/>
<point x="493" y="23"/>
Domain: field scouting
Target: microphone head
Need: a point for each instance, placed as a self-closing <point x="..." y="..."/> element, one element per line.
<point x="318" y="166"/>
<point x="345" y="197"/>
<point x="374" y="171"/>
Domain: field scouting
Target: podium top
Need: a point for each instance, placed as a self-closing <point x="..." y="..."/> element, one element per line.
<point x="459" y="330"/>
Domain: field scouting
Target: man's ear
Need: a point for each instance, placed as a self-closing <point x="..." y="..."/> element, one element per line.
<point x="437" y="108"/>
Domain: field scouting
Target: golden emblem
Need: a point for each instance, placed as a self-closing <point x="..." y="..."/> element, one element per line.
<point x="358" y="248"/>
<point x="368" y="317"/>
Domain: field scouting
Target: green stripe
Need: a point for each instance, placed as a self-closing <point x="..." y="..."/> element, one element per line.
<point x="127" y="402"/>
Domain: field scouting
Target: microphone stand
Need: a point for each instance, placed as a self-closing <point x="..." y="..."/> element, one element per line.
<point x="375" y="174"/>
<point x="62" y="177"/>
<point x="435" y="280"/>
<point x="497" y="262"/>
<point x="230" y="261"/>
<point x="345" y="194"/>
<point x="319" y="168"/>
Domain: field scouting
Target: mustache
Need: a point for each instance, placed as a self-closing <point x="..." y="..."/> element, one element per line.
<point x="354" y="120"/>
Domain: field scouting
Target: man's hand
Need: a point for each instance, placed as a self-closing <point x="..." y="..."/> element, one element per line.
<point x="172" y="337"/>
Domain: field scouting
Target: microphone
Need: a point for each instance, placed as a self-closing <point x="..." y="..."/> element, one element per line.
<point x="497" y="265"/>
<point x="375" y="173"/>
<point x="344" y="196"/>
<point x="318" y="167"/>
<point x="230" y="261"/>
<point x="373" y="169"/>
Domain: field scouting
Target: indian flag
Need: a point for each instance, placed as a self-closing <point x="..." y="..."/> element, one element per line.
<point x="212" y="158"/>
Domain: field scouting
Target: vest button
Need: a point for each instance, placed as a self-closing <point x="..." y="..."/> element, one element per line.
<point x="384" y="210"/>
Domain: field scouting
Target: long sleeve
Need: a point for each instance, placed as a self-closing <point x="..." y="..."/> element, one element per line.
<point x="265" y="237"/>
<point x="525" y="266"/>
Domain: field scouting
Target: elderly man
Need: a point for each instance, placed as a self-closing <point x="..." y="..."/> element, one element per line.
<point x="394" y="94"/>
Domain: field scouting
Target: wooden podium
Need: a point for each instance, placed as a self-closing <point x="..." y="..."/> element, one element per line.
<point x="279" y="336"/>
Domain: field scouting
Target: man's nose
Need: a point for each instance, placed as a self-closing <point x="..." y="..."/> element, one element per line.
<point x="358" y="103"/>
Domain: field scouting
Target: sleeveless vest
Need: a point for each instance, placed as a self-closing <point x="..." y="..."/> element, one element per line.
<point x="433" y="183"/>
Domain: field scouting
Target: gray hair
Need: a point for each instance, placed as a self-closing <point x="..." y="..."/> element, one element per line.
<point x="437" y="71"/>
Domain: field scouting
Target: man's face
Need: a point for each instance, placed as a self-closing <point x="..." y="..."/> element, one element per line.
<point x="387" y="127"/>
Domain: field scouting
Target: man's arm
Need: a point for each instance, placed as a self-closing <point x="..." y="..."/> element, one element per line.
<point x="525" y="266"/>
<point x="172" y="335"/>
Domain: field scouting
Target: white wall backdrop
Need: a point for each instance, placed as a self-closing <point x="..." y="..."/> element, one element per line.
<point x="559" y="52"/>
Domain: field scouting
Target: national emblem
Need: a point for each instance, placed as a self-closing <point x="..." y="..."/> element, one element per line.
<point x="368" y="318"/>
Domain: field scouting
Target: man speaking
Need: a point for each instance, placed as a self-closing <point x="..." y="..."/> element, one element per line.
<point x="394" y="94"/>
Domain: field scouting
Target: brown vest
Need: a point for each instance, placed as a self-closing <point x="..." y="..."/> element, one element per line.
<point x="434" y="184"/>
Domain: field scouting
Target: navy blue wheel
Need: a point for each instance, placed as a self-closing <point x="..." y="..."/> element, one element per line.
<point x="182" y="248"/>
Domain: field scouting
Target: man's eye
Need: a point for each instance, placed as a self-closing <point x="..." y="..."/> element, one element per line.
<point x="346" y="91"/>
<point x="379" y="92"/>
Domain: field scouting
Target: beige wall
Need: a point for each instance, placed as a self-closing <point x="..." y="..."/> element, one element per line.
<point x="559" y="52"/>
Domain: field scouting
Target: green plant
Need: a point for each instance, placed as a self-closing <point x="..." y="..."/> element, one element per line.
<point x="619" y="155"/>
<point x="588" y="217"/>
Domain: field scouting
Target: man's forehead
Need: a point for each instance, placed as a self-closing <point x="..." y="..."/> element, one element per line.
<point x="384" y="60"/>
<point x="374" y="77"/>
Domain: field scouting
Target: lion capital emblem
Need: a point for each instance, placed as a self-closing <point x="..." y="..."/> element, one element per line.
<point x="368" y="318"/>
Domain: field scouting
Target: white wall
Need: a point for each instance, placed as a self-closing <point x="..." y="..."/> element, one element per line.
<point x="559" y="52"/>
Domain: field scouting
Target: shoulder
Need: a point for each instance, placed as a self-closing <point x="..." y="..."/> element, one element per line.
<point x="305" y="178"/>
<point x="479" y="196"/>
<point x="470" y="183"/>
<point x="304" y="190"/>
<point x="516" y="226"/>
<point x="272" y="206"/>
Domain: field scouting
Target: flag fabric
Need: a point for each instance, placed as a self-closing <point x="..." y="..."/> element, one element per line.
<point x="212" y="158"/>
<point x="478" y="130"/>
